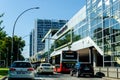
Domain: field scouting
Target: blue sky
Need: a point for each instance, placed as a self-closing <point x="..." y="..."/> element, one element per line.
<point x="49" y="9"/>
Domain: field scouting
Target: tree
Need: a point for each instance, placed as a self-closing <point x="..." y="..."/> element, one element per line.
<point x="5" y="46"/>
<point x="2" y="36"/>
<point x="63" y="40"/>
<point x="18" y="48"/>
<point x="2" y="33"/>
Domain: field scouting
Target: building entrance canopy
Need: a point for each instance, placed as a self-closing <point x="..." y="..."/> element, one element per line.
<point x="85" y="43"/>
<point x="80" y="45"/>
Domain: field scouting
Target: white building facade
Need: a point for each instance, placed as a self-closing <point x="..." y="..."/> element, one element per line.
<point x="94" y="32"/>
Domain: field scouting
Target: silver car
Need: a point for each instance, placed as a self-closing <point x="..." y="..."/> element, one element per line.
<point x="21" y="69"/>
<point x="45" y="68"/>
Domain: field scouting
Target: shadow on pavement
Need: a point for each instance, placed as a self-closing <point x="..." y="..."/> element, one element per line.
<point x="99" y="75"/>
<point x="47" y="75"/>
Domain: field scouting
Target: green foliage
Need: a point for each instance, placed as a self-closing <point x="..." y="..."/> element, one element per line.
<point x="0" y="17"/>
<point x="5" y="46"/>
<point x="3" y="71"/>
<point x="2" y="36"/>
<point x="63" y="40"/>
<point x="44" y="55"/>
<point x="76" y="38"/>
<point x="52" y="48"/>
<point x="17" y="48"/>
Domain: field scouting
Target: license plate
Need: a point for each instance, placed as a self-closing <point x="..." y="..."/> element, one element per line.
<point x="87" y="69"/>
<point x="21" y="72"/>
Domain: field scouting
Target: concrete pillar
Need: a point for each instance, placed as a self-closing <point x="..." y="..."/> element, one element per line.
<point x="92" y="56"/>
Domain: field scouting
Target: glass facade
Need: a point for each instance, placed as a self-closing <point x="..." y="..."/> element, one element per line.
<point x="103" y="18"/>
<point x="42" y="26"/>
<point x="64" y="40"/>
<point x="80" y="30"/>
<point x="102" y="25"/>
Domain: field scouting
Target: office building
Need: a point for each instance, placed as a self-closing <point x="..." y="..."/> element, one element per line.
<point x="31" y="48"/>
<point x="42" y="26"/>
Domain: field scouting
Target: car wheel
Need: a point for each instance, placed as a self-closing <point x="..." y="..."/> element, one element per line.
<point x="71" y="74"/>
<point x="77" y="74"/>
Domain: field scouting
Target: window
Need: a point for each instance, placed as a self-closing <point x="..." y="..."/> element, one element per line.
<point x="21" y="64"/>
<point x="63" y="40"/>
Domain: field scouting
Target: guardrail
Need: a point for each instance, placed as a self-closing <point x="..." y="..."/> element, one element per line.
<point x="111" y="72"/>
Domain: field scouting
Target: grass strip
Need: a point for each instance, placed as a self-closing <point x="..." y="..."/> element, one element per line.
<point x="3" y="72"/>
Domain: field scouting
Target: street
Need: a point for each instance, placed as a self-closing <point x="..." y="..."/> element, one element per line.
<point x="59" y="76"/>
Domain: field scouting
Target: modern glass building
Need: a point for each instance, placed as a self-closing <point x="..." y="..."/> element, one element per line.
<point x="42" y="26"/>
<point x="103" y="19"/>
<point x="31" y="48"/>
<point x="94" y="32"/>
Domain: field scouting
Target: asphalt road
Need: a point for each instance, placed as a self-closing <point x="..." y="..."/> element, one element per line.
<point x="59" y="76"/>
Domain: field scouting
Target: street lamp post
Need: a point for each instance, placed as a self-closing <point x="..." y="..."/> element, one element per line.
<point x="14" y="28"/>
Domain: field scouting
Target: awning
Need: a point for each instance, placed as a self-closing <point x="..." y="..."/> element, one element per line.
<point x="85" y="43"/>
<point x="79" y="45"/>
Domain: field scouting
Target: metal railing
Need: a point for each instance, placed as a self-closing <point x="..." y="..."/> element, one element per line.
<point x="112" y="72"/>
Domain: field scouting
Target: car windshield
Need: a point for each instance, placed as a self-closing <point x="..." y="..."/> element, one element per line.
<point x="21" y="64"/>
<point x="46" y="65"/>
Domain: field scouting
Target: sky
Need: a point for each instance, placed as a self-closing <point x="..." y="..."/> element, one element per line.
<point x="48" y="9"/>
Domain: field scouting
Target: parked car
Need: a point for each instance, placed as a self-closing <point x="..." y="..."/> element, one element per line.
<point x="82" y="69"/>
<point x="45" y="68"/>
<point x="21" y="69"/>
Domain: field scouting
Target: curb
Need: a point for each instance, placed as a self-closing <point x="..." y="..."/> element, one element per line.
<point x="3" y="78"/>
<point x="108" y="78"/>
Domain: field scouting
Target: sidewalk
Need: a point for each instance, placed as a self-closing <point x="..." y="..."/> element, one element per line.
<point x="3" y="78"/>
<point x="107" y="78"/>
